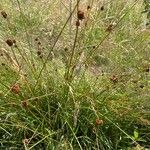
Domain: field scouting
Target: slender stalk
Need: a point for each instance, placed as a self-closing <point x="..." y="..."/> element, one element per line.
<point x="107" y="35"/>
<point x="44" y="64"/>
<point x="70" y="26"/>
<point x="68" y="74"/>
<point x="27" y="37"/>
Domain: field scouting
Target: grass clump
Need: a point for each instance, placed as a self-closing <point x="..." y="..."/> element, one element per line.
<point x="74" y="76"/>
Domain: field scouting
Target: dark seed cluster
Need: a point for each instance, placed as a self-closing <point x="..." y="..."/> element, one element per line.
<point x="4" y="14"/>
<point x="80" y="15"/>
<point x="11" y="42"/>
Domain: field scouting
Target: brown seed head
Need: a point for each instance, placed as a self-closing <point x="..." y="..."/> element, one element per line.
<point x="94" y="47"/>
<point x="147" y="70"/>
<point x="3" y="13"/>
<point x="114" y="78"/>
<point x="9" y="42"/>
<point x="141" y="86"/>
<point x="15" y="88"/>
<point x="36" y="39"/>
<point x="66" y="49"/>
<point x="14" y="41"/>
<point x="25" y="141"/>
<point x="39" y="43"/>
<point x="39" y="52"/>
<point x="24" y="104"/>
<point x="109" y="28"/>
<point x="102" y="8"/>
<point x="80" y="15"/>
<point x="77" y="23"/>
<point x="88" y="7"/>
<point x="99" y="122"/>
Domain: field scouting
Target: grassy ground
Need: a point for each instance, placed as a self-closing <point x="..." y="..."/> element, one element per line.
<point x="74" y="82"/>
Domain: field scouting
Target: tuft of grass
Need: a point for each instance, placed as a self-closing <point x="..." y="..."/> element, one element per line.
<point x="74" y="76"/>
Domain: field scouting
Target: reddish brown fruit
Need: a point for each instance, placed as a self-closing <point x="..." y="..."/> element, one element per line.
<point x="99" y="122"/>
<point x="15" y="89"/>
